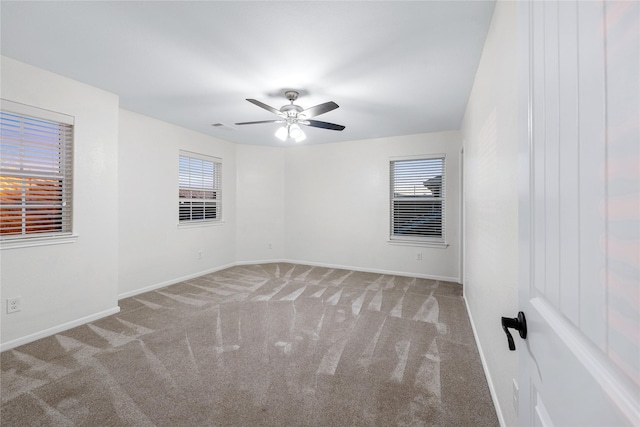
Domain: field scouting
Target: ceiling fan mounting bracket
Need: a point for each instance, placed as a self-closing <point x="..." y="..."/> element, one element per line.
<point x="291" y="95"/>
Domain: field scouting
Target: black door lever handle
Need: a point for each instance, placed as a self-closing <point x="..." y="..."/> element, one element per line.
<point x="518" y="323"/>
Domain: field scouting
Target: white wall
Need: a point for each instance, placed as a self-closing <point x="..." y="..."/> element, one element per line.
<point x="337" y="205"/>
<point x="63" y="284"/>
<point x="292" y="204"/>
<point x="260" y="227"/>
<point x="489" y="133"/>
<point x="153" y="250"/>
<point x="321" y="204"/>
<point x="288" y="198"/>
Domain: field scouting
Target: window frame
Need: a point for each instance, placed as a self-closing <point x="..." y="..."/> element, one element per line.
<point x="412" y="239"/>
<point x="65" y="175"/>
<point x="209" y="204"/>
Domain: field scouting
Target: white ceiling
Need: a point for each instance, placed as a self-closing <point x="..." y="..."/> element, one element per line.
<point x="393" y="67"/>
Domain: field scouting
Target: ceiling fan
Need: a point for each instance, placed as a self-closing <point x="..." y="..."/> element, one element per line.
<point x="291" y="116"/>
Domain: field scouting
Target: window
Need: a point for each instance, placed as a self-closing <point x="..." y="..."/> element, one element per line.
<point x="199" y="197"/>
<point x="36" y="152"/>
<point x="417" y="199"/>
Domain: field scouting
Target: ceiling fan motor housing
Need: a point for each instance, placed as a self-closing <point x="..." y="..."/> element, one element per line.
<point x="291" y="110"/>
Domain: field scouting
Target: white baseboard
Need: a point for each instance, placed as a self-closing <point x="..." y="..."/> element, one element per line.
<point x="262" y="261"/>
<point x="59" y="328"/>
<point x="272" y="261"/>
<point x="485" y="367"/>
<point x="370" y="270"/>
<point x="174" y="281"/>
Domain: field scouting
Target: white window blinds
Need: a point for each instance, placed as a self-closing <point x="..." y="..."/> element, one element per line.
<point x="36" y="172"/>
<point x="200" y="189"/>
<point x="417" y="199"/>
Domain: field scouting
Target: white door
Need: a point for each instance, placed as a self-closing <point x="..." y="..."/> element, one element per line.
<point x="579" y="213"/>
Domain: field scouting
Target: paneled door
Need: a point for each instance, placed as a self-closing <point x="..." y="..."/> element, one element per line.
<point x="579" y="213"/>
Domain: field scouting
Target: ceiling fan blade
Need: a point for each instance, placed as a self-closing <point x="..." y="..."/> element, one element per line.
<point x="323" y="125"/>
<point x="266" y="107"/>
<point x="319" y="109"/>
<point x="260" y="121"/>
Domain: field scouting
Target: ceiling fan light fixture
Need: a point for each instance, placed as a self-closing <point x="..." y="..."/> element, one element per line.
<point x="296" y="133"/>
<point x="282" y="133"/>
<point x="302" y="137"/>
<point x="290" y="131"/>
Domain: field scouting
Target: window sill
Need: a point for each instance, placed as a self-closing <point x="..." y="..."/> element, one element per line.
<point x="422" y="244"/>
<point x="196" y="224"/>
<point x="27" y="242"/>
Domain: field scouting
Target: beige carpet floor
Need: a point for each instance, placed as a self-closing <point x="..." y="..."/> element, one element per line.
<point x="260" y="345"/>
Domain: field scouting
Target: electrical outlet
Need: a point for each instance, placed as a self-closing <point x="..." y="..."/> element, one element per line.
<point x="419" y="256"/>
<point x="270" y="245"/>
<point x="14" y="304"/>
<point x="200" y="254"/>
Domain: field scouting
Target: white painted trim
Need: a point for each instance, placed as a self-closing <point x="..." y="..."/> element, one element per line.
<point x="29" y="242"/>
<point x="272" y="261"/>
<point x="345" y="267"/>
<point x="36" y="112"/>
<point x="418" y="243"/>
<point x="542" y="415"/>
<point x="615" y="386"/>
<point x="59" y="328"/>
<point x="371" y="270"/>
<point x="418" y="157"/>
<point x="173" y="281"/>
<point x="194" y="224"/>
<point x="461" y="224"/>
<point x="485" y="367"/>
<point x="264" y="261"/>
<point x="78" y="322"/>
